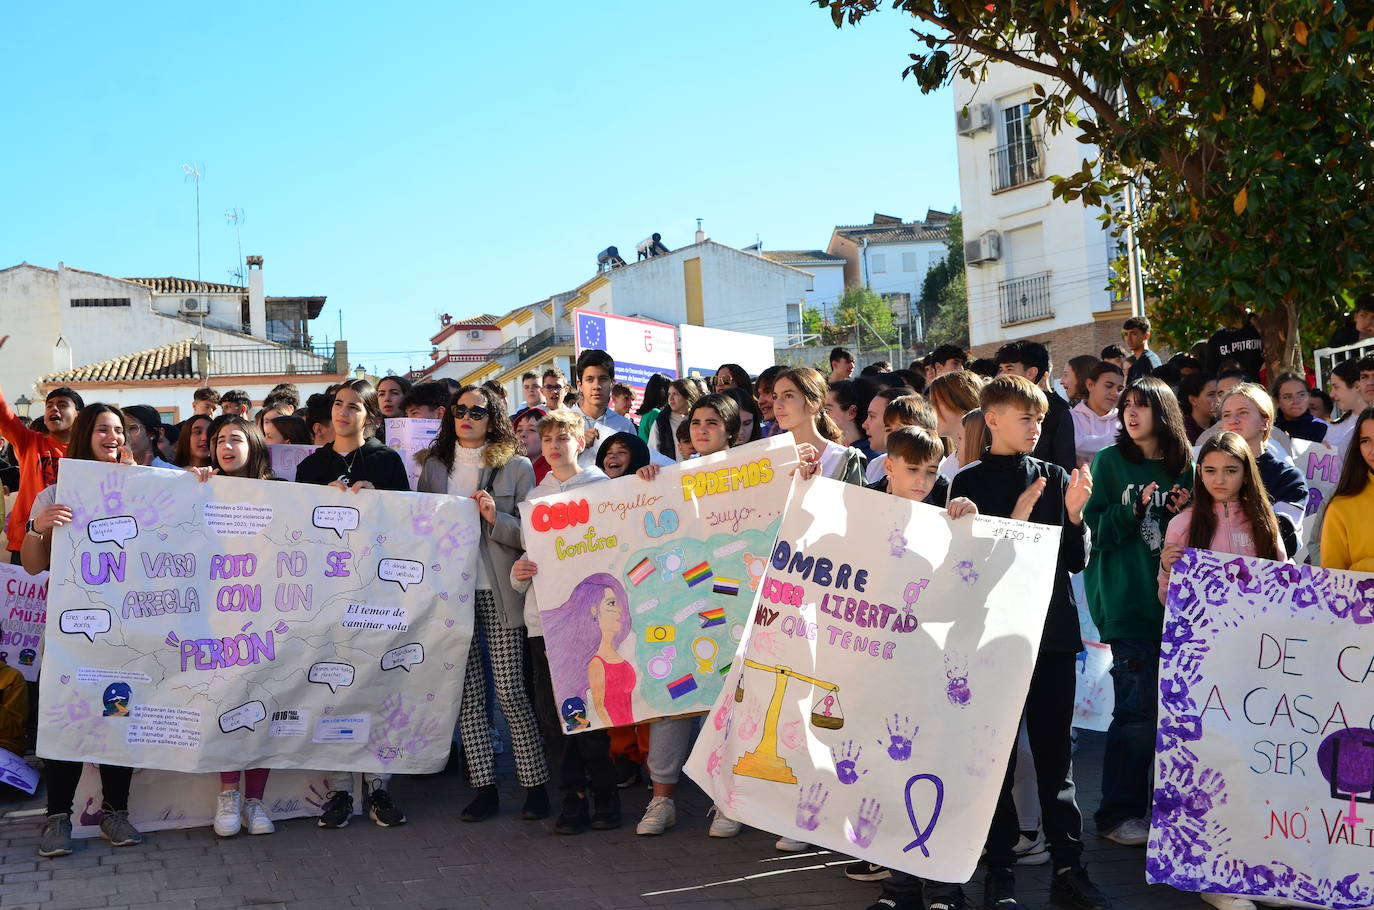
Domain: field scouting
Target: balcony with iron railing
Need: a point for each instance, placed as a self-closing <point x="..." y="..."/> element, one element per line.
<point x="1017" y="164"/>
<point x="1025" y="299"/>
<point x="269" y="360"/>
<point x="517" y="351"/>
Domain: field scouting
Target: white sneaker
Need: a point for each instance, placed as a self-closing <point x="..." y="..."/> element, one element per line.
<point x="722" y="826"/>
<point x="1227" y="901"/>
<point x="1030" y="851"/>
<point x="227" y="807"/>
<point x="255" y="818"/>
<point x="1133" y="832"/>
<point x="659" y="816"/>
<point x="789" y="845"/>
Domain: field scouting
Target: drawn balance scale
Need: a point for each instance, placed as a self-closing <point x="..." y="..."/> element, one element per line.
<point x="764" y="762"/>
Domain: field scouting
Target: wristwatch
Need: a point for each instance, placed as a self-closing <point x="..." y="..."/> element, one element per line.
<point x="30" y="529"/>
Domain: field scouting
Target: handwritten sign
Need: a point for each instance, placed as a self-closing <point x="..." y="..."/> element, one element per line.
<point x="410" y="436"/>
<point x="1264" y="780"/>
<point x="875" y="704"/>
<point x="285" y="458"/>
<point x="23" y="616"/>
<point x="645" y="588"/>
<point x="209" y="624"/>
<point x="1321" y="465"/>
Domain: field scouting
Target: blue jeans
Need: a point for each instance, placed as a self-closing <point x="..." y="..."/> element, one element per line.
<point x="1128" y="761"/>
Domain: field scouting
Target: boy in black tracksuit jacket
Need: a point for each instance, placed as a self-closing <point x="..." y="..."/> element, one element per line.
<point x="1004" y="483"/>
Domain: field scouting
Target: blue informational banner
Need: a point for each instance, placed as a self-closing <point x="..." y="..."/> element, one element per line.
<point x="640" y="347"/>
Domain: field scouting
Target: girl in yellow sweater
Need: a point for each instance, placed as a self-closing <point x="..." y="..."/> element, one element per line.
<point x="1348" y="528"/>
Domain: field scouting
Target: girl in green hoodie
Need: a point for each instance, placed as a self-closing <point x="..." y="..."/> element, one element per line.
<point x="1139" y="484"/>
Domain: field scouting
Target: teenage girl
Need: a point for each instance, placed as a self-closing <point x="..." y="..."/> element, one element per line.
<point x="474" y="455"/>
<point x="1248" y="410"/>
<point x="663" y="434"/>
<point x="1348" y="528"/>
<point x="714" y="421"/>
<point x="238" y="449"/>
<point x="1344" y="389"/>
<point x="1139" y="484"/>
<point x="193" y="445"/>
<point x="799" y="407"/>
<point x="1291" y="393"/>
<point x="952" y="396"/>
<point x="96" y="435"/>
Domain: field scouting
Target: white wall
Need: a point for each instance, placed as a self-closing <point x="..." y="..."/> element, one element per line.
<point x="827" y="284"/>
<point x="178" y="396"/>
<point x="1038" y="233"/>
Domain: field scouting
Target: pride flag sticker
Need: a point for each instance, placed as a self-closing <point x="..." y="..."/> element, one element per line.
<point x="640" y="571"/>
<point x="715" y="617"/>
<point x="697" y="574"/>
<point x="723" y="585"/>
<point x="680" y="687"/>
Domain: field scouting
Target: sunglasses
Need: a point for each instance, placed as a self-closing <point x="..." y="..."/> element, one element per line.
<point x="476" y="412"/>
<point x="553" y="388"/>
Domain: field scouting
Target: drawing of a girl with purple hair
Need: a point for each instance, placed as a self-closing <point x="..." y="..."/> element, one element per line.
<point x="589" y="627"/>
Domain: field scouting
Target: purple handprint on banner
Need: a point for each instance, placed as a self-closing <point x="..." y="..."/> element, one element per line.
<point x="862" y="831"/>
<point x="847" y="762"/>
<point x="810" y="801"/>
<point x="899" y="740"/>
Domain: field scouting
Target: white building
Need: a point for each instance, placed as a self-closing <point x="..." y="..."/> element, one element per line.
<point x="1037" y="267"/>
<point x="891" y="257"/>
<point x="827" y="274"/>
<point x="459" y="344"/>
<point x="62" y="321"/>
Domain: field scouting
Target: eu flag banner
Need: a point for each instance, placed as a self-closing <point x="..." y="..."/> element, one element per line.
<point x="640" y="347"/>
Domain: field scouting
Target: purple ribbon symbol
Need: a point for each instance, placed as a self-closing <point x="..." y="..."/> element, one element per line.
<point x="923" y="835"/>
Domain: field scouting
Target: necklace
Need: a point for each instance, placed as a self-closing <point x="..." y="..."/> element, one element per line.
<point x="349" y="459"/>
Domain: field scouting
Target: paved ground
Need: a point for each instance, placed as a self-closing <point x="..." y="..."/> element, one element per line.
<point x="437" y="861"/>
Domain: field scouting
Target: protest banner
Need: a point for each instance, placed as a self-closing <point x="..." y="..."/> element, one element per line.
<point x="244" y="623"/>
<point x="705" y="349"/>
<point x="1264" y="766"/>
<point x="875" y="704"/>
<point x="285" y="458"/>
<point x="677" y="559"/>
<point x="410" y="436"/>
<point x="22" y="619"/>
<point x="17" y="773"/>
<point x="1320" y="464"/>
<point x="1094" y="694"/>
<point x="640" y="347"/>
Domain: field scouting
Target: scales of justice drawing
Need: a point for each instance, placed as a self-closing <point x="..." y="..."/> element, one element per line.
<point x="763" y="762"/>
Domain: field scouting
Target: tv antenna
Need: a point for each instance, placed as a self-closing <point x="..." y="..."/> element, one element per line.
<point x="195" y="175"/>
<point x="235" y="218"/>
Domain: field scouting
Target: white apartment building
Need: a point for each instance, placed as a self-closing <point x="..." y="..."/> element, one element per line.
<point x="1037" y="267"/>
<point x="892" y="257"/>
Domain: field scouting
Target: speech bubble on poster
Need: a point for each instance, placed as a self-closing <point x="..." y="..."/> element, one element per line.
<point x="336" y="518"/>
<point x="245" y="717"/>
<point x="88" y="622"/>
<point x="402" y="571"/>
<point x="116" y="530"/>
<point x="333" y="674"/>
<point x="404" y="657"/>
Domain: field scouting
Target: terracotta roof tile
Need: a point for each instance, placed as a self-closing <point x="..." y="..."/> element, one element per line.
<point x="792" y="256"/>
<point x="174" y="285"/>
<point x="170" y="361"/>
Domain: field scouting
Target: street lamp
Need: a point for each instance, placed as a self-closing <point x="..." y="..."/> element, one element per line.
<point x="22" y="404"/>
<point x="360" y="372"/>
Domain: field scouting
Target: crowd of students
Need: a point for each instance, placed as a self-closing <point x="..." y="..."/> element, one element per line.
<point x="1110" y="458"/>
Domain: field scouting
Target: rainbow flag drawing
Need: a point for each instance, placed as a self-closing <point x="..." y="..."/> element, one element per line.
<point x="680" y="687"/>
<point x="711" y="618"/>
<point x="725" y="669"/>
<point x="697" y="574"/>
<point x="640" y="571"/>
<point x="723" y="585"/>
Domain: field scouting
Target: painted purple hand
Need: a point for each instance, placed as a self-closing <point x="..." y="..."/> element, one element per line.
<point x="847" y="762"/>
<point x="956" y="671"/>
<point x="810" y="800"/>
<point x="864" y="828"/>
<point x="899" y="740"/>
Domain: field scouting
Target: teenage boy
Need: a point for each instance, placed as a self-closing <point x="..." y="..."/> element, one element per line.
<point x="37" y="454"/>
<point x="204" y="401"/>
<point x="1367" y="378"/>
<point x="1136" y="333"/>
<point x="554" y="385"/>
<point x="912" y="471"/>
<point x="319" y="417"/>
<point x="1031" y="359"/>
<point x="142" y="434"/>
<point x="947" y="358"/>
<point x="1115" y="353"/>
<point x="235" y="401"/>
<point x="1009" y="482"/>
<point x="1360" y="326"/>
<point x="529" y="388"/>
<point x="582" y="763"/>
<point x="595" y="375"/>
<point x="1239" y="341"/>
<point x="426" y="401"/>
<point x="622" y="397"/>
<point x="841" y="364"/>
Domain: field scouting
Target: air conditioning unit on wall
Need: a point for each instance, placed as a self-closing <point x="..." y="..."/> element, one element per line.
<point x="475" y="334"/>
<point x="986" y="248"/>
<point x="194" y="306"/>
<point x="973" y="119"/>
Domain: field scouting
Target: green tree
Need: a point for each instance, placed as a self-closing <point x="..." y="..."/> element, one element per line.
<point x="951" y="323"/>
<point x="862" y="318"/>
<point x="1242" y="128"/>
<point x="935" y="294"/>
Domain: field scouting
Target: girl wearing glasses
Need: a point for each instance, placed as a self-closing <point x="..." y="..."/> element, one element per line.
<point x="474" y="455"/>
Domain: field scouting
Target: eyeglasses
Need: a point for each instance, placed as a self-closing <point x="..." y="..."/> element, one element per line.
<point x="476" y="412"/>
<point x="553" y="388"/>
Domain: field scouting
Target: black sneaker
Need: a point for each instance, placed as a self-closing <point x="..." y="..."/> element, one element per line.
<point x="626" y="772"/>
<point x="893" y="903"/>
<point x="382" y="810"/>
<point x="999" y="890"/>
<point x="1072" y="888"/>
<point x="575" y="816"/>
<point x="607" y="814"/>
<point x="337" y="810"/>
<point x="536" y="804"/>
<point x="864" y="871"/>
<point x="484" y="806"/>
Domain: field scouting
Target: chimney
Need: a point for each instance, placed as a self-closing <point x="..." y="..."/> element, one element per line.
<point x="701" y="235"/>
<point x="257" y="303"/>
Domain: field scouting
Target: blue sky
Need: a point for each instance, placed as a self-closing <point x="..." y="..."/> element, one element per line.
<point x="458" y="158"/>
